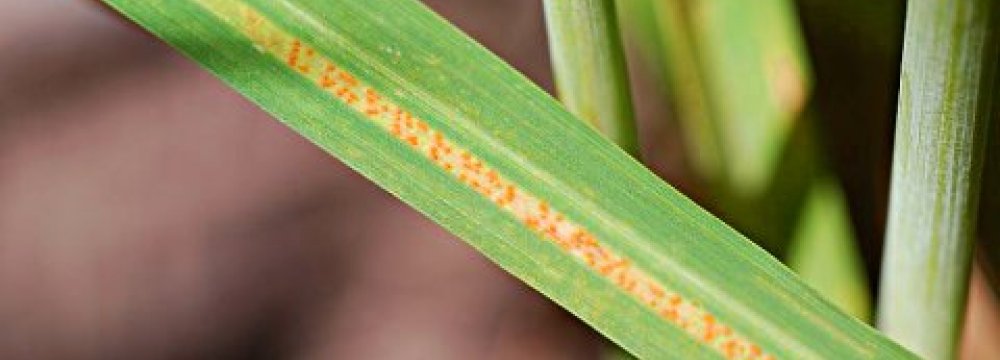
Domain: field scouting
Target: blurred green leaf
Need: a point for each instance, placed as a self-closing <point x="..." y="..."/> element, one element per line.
<point x="824" y="253"/>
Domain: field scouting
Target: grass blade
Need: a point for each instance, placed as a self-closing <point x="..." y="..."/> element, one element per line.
<point x="589" y="67"/>
<point x="824" y="252"/>
<point x="949" y="59"/>
<point x="662" y="37"/>
<point x="756" y="75"/>
<point x="415" y="105"/>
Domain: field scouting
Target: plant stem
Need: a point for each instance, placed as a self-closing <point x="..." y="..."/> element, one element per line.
<point x="946" y="82"/>
<point x="589" y="67"/>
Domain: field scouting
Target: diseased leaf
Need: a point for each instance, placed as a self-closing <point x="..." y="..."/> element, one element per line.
<point x="413" y="104"/>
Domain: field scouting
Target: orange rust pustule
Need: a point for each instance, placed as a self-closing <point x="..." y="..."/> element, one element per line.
<point x="535" y="213"/>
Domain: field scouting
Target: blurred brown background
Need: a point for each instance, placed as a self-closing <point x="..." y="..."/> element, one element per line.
<point x="147" y="211"/>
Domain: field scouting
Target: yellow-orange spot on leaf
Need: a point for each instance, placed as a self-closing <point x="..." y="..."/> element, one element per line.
<point x="348" y="78"/>
<point x="492" y="176"/>
<point x="669" y="314"/>
<point x="305" y="66"/>
<point x="609" y="268"/>
<point x="326" y="77"/>
<point x="293" y="53"/>
<point x="408" y="120"/>
<point x="709" y="334"/>
<point x="656" y="290"/>
<point x="372" y="107"/>
<point x="509" y="193"/>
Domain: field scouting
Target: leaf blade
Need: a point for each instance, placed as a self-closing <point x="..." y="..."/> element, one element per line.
<point x="457" y="89"/>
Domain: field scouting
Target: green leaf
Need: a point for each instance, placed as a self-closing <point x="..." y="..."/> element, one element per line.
<point x="945" y="100"/>
<point x="413" y="104"/>
<point x="757" y="75"/>
<point x="740" y="79"/>
<point x="660" y="32"/>
<point x="824" y="253"/>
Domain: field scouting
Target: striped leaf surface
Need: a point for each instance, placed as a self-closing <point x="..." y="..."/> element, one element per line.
<point x="413" y="104"/>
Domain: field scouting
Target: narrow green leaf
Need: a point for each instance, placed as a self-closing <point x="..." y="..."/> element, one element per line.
<point x="750" y="71"/>
<point x="824" y="253"/>
<point x="759" y="77"/>
<point x="589" y="67"/>
<point x="662" y="35"/>
<point x="415" y="105"/>
<point x="945" y="95"/>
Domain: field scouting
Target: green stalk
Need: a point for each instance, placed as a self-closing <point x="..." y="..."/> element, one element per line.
<point x="413" y="104"/>
<point x="949" y="59"/>
<point x="589" y="67"/>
